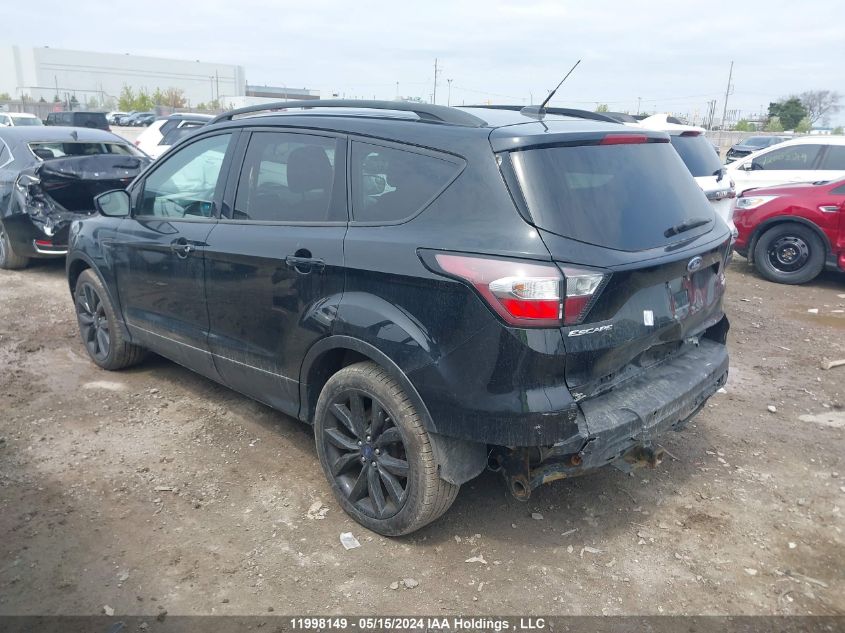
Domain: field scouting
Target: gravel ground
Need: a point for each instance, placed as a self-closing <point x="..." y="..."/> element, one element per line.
<point x="155" y="489"/>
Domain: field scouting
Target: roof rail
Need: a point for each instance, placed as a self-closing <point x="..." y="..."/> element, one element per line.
<point x="573" y="112"/>
<point x="426" y="112"/>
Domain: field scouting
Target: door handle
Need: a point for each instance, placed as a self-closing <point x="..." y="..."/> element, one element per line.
<point x="304" y="265"/>
<point x="182" y="248"/>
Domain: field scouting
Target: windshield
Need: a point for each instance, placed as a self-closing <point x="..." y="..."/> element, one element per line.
<point x="625" y="197"/>
<point x="49" y="150"/>
<point x="697" y="154"/>
<point x="26" y="120"/>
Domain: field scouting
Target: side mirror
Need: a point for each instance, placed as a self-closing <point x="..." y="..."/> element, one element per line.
<point x="113" y="204"/>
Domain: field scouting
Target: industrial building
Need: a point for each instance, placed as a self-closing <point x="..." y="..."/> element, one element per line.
<point x="43" y="73"/>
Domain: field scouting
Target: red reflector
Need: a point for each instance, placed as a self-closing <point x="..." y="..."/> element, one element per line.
<point x="531" y="309"/>
<point x="46" y="243"/>
<point x="573" y="308"/>
<point x="623" y="139"/>
<point x="691" y="133"/>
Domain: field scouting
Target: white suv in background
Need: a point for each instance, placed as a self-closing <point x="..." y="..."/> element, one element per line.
<point x="804" y="159"/>
<point x="156" y="138"/>
<point x="702" y="160"/>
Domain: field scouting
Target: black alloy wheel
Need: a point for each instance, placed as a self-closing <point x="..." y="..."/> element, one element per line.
<point x="376" y="453"/>
<point x="366" y="453"/>
<point x="93" y="321"/>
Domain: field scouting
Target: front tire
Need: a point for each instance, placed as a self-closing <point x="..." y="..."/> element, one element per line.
<point x="789" y="253"/>
<point x="101" y="334"/>
<point x="376" y="453"/>
<point x="9" y="260"/>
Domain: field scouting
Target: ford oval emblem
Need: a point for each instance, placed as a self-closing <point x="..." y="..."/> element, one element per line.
<point x="694" y="264"/>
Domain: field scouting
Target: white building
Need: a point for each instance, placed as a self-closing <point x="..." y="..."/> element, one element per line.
<point x="45" y="72"/>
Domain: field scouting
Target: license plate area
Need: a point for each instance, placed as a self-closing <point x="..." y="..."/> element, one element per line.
<point x="691" y="293"/>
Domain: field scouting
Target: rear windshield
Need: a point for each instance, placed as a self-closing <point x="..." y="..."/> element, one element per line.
<point x="25" y="120"/>
<point x="47" y="151"/>
<point x="698" y="154"/>
<point x="623" y="197"/>
<point x="757" y="141"/>
<point x="178" y="133"/>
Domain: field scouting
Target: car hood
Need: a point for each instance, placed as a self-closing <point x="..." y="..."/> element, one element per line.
<point x="794" y="188"/>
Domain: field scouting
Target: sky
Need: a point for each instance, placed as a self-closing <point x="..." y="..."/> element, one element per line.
<point x="656" y="56"/>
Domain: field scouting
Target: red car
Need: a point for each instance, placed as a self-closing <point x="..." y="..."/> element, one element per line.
<point x="791" y="232"/>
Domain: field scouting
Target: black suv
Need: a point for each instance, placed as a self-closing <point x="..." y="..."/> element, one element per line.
<point x="437" y="290"/>
<point x="96" y="120"/>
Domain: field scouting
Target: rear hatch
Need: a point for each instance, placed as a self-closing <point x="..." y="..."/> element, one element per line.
<point x="637" y="241"/>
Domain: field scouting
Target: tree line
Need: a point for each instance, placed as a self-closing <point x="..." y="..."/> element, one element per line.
<point x="799" y="112"/>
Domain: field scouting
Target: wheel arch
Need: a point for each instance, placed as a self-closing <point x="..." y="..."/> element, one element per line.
<point x="328" y="355"/>
<point x="458" y="460"/>
<point x="79" y="263"/>
<point x="784" y="219"/>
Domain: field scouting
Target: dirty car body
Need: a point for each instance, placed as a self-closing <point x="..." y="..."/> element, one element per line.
<point x="49" y="177"/>
<point x="546" y="294"/>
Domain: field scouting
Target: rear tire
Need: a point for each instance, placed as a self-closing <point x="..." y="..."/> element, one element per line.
<point x="789" y="253"/>
<point x="376" y="453"/>
<point x="9" y="260"/>
<point x="101" y="334"/>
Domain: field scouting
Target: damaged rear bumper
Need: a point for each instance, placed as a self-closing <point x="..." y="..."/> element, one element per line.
<point x="621" y="427"/>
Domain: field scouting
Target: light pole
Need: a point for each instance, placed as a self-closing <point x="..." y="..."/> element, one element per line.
<point x="449" y="93"/>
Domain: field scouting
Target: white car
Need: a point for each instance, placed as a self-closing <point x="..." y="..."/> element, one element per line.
<point x="804" y="159"/>
<point x="701" y="159"/>
<point x="162" y="133"/>
<point x="9" y="119"/>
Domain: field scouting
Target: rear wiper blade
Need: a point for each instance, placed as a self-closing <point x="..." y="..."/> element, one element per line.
<point x="719" y="173"/>
<point x="686" y="225"/>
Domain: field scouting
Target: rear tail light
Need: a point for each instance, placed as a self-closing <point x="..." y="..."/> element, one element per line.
<point x="525" y="294"/>
<point x="582" y="287"/>
<point x="691" y="133"/>
<point x="44" y="243"/>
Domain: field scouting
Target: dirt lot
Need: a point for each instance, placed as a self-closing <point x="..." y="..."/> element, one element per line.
<point x="746" y="518"/>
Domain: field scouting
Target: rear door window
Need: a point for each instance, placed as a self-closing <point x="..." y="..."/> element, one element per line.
<point x="390" y="184"/>
<point x="287" y="178"/>
<point x="792" y="158"/>
<point x="834" y="158"/>
<point x="624" y="197"/>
